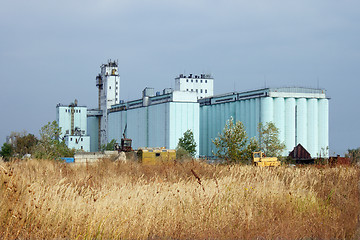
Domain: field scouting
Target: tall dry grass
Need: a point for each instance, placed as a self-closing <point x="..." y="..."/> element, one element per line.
<point x="46" y="199"/>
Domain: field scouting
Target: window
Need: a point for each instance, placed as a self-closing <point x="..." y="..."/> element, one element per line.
<point x="196" y="80"/>
<point x="116" y="88"/>
<point x="65" y="110"/>
<point x="192" y="90"/>
<point x="157" y="154"/>
<point x="205" y="90"/>
<point x="67" y="131"/>
<point x="200" y="90"/>
<point x="196" y="90"/>
<point x="79" y="110"/>
<point x="187" y="80"/>
<point x="187" y="89"/>
<point x="70" y="139"/>
<point x="82" y="147"/>
<point x="200" y="81"/>
<point x="205" y="81"/>
<point x="109" y="87"/>
<point x="81" y="139"/>
<point x="192" y="80"/>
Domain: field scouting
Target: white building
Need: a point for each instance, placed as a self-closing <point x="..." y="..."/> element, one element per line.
<point x="108" y="83"/>
<point x="202" y="85"/>
<point x="72" y="120"/>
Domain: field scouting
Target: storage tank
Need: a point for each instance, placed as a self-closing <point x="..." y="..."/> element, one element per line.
<point x="279" y="116"/>
<point x="324" y="126"/>
<point x="301" y="124"/>
<point x="289" y="124"/>
<point x="313" y="128"/>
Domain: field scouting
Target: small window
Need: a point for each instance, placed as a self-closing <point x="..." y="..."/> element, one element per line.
<point x="82" y="147"/>
<point x="81" y="139"/>
<point x="109" y="87"/>
<point x="187" y="80"/>
<point x="196" y="80"/>
<point x="196" y="90"/>
<point x="116" y="88"/>
<point x="67" y="131"/>
<point x="192" y="80"/>
<point x="187" y="89"/>
<point x="200" y="81"/>
<point x="157" y="154"/>
<point x="205" y="81"/>
<point x="70" y="139"/>
<point x="205" y="90"/>
<point x="200" y="90"/>
<point x="65" y="110"/>
<point x="192" y="90"/>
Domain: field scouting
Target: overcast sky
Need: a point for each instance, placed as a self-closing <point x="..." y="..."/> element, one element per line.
<point x="51" y="52"/>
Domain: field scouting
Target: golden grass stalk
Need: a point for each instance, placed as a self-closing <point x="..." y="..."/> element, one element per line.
<point x="107" y="200"/>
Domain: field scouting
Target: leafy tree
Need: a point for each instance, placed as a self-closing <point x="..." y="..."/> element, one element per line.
<point x="187" y="142"/>
<point x="109" y="146"/>
<point x="233" y="144"/>
<point x="182" y="154"/>
<point x="6" y="151"/>
<point x="49" y="145"/>
<point x="353" y="154"/>
<point x="269" y="140"/>
<point x="24" y="144"/>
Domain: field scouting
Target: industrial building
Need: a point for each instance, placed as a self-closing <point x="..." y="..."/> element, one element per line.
<point x="72" y="120"/>
<point x="159" y="119"/>
<point x="300" y="114"/>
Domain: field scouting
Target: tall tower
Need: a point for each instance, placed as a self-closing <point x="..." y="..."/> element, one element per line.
<point x="108" y="83"/>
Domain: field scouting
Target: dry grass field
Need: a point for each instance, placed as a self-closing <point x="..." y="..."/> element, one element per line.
<point x="47" y="200"/>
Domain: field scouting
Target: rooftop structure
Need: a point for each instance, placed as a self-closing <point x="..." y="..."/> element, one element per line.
<point x="202" y="84"/>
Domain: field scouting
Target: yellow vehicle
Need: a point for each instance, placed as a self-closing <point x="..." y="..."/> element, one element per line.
<point x="152" y="156"/>
<point x="259" y="159"/>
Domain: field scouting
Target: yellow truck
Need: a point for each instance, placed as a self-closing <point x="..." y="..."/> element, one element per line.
<point x="153" y="156"/>
<point x="259" y="159"/>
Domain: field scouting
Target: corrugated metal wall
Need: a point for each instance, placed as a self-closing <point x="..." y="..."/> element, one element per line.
<point x="159" y="125"/>
<point x="93" y="132"/>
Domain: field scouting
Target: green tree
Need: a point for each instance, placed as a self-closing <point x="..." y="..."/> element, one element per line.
<point x="109" y="146"/>
<point x="24" y="144"/>
<point x="269" y="140"/>
<point x="6" y="151"/>
<point x="49" y="145"/>
<point x="353" y="154"/>
<point x="187" y="142"/>
<point x="233" y="144"/>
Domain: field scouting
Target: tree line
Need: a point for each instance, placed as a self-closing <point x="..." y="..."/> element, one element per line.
<point x="47" y="146"/>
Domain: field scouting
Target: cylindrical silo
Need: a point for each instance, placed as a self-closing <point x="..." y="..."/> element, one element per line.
<point x="301" y="122"/>
<point x="257" y="115"/>
<point x="279" y="116"/>
<point x="242" y="117"/>
<point x="289" y="124"/>
<point x="237" y="110"/>
<point x="313" y="131"/>
<point x="267" y="110"/>
<point x="252" y="125"/>
<point x="324" y="125"/>
<point x="247" y="115"/>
